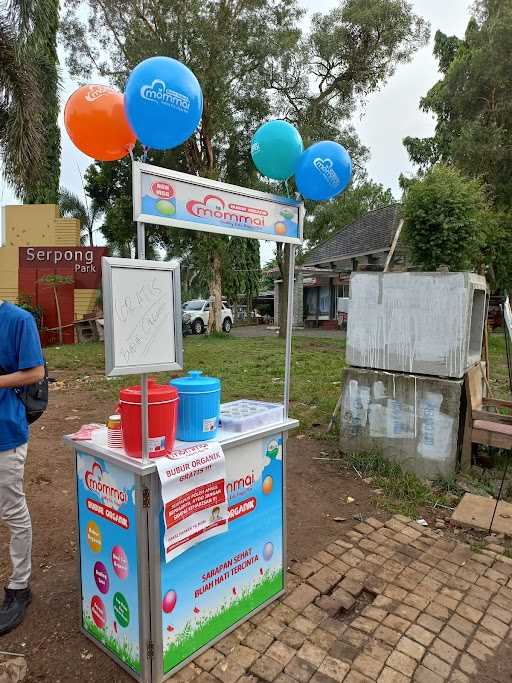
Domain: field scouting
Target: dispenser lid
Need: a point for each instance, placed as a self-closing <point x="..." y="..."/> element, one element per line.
<point x="195" y="382"/>
<point x="156" y="393"/>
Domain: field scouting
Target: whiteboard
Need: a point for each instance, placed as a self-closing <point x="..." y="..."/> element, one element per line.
<point x="142" y="311"/>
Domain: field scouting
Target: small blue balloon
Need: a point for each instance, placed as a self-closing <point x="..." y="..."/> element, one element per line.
<point x="163" y="102"/>
<point x="323" y="171"/>
<point x="276" y="148"/>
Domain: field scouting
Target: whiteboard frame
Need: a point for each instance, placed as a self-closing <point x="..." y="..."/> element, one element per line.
<point x="108" y="265"/>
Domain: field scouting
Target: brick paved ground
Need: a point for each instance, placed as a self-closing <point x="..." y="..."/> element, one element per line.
<point x="391" y="602"/>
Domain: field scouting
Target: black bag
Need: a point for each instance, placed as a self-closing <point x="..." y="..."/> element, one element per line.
<point x="34" y="396"/>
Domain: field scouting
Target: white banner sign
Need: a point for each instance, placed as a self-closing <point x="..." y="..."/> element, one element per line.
<point x="194" y="496"/>
<point x="174" y="199"/>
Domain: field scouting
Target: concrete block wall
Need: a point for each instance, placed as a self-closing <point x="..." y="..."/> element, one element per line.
<point x="422" y="323"/>
<point x="410" y="419"/>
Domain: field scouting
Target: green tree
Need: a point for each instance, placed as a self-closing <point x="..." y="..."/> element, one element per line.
<point x="42" y="48"/>
<point x="472" y="102"/>
<point x="86" y="213"/>
<point x="329" y="217"/>
<point x="27" y="110"/>
<point x="444" y="220"/>
<point x="253" y="62"/>
<point x="241" y="270"/>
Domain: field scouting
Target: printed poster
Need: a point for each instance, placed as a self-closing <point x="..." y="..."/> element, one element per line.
<point x="220" y="581"/>
<point x="193" y="483"/>
<point x="176" y="199"/>
<point x="108" y="556"/>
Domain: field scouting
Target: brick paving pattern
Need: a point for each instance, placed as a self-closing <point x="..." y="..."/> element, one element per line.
<point x="391" y="602"/>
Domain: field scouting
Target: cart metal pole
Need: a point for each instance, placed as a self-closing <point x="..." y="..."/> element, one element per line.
<point x="289" y="328"/>
<point x="141" y="254"/>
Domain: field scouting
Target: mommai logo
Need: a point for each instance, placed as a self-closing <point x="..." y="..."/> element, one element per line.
<point x="326" y="169"/>
<point x="238" y="486"/>
<point x="212" y="206"/>
<point x="100" y="482"/>
<point x="95" y="92"/>
<point x="159" y="93"/>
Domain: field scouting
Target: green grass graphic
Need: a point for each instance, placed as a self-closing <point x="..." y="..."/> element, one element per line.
<point x="124" y="650"/>
<point x="197" y="634"/>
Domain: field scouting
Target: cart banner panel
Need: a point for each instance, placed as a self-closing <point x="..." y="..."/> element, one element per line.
<point x="175" y="199"/>
<point x="193" y="484"/>
<point x="108" y="556"/>
<point x="220" y="582"/>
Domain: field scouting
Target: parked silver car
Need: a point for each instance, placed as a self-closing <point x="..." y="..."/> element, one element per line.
<point x="197" y="312"/>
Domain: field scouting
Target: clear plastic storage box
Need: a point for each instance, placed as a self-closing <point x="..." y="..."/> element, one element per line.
<point x="245" y="416"/>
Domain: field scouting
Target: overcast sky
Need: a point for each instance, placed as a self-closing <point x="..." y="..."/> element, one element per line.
<point x="387" y="117"/>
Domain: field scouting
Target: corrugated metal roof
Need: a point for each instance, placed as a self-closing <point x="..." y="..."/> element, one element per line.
<point x="371" y="233"/>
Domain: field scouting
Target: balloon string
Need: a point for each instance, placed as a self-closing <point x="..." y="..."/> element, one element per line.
<point x="287" y="190"/>
<point x="144" y="154"/>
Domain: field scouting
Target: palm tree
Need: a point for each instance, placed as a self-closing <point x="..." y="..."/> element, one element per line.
<point x="28" y="70"/>
<point x="21" y="130"/>
<point x="71" y="205"/>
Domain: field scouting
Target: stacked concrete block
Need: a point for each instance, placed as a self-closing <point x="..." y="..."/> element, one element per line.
<point x="422" y="323"/>
<point x="410" y="339"/>
<point x="410" y="419"/>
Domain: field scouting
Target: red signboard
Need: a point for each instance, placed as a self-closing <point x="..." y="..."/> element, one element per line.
<point x="84" y="263"/>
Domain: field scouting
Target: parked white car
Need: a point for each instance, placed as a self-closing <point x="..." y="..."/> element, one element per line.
<point x="197" y="312"/>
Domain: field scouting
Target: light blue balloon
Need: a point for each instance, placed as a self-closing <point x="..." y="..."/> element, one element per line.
<point x="323" y="171"/>
<point x="163" y="102"/>
<point x="276" y="147"/>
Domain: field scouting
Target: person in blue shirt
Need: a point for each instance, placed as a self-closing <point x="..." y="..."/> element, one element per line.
<point x="21" y="364"/>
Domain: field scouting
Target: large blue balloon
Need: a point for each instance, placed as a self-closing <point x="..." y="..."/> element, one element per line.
<point x="323" y="171"/>
<point x="163" y="102"/>
<point x="276" y="148"/>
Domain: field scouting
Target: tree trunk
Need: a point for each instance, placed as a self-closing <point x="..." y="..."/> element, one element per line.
<point x="284" y="267"/>
<point x="59" y="319"/>
<point x="91" y="236"/>
<point x="215" y="287"/>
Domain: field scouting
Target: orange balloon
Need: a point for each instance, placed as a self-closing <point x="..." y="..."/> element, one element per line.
<point x="96" y="123"/>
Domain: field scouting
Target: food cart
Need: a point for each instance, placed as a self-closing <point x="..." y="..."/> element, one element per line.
<point x="151" y="615"/>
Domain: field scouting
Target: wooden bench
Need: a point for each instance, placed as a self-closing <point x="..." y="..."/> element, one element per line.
<point x="484" y="424"/>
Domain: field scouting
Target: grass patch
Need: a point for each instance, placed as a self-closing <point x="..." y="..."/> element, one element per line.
<point x="122" y="649"/>
<point x="196" y="635"/>
<point x="247" y="367"/>
<point x="402" y="491"/>
<point x="498" y="366"/>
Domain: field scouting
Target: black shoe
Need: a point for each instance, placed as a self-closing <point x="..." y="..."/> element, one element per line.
<point x="12" y="612"/>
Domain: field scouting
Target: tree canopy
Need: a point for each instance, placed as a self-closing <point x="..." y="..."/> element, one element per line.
<point x="473" y="102"/>
<point x="29" y="134"/>
<point x="254" y="62"/>
<point x="444" y="220"/>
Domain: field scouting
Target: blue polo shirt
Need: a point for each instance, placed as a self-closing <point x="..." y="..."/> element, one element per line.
<point x="20" y="349"/>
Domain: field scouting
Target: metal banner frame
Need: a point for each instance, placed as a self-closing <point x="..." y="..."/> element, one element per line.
<point x="140" y="169"/>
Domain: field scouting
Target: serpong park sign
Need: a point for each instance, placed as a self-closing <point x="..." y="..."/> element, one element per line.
<point x="83" y="263"/>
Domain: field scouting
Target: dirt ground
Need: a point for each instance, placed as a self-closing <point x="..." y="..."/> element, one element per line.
<point x="317" y="513"/>
<point x="55" y="649"/>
